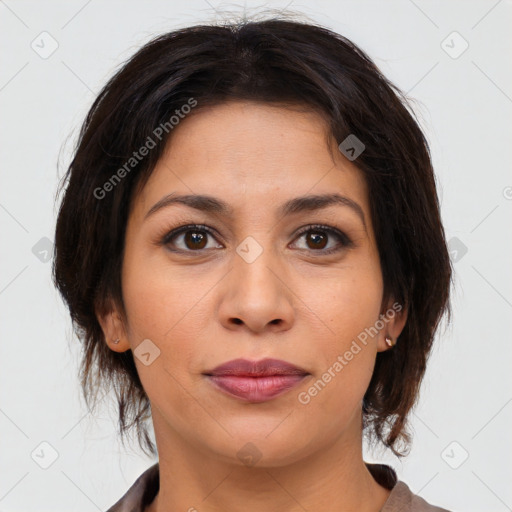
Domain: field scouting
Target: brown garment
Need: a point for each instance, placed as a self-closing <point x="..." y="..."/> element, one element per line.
<point x="401" y="499"/>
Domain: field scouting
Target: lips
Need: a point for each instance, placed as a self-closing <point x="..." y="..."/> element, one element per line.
<point x="256" y="381"/>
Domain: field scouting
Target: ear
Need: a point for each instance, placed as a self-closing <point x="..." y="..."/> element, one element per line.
<point x="394" y="317"/>
<point x="113" y="329"/>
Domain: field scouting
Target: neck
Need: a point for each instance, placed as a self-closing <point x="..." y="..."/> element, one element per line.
<point x="334" y="478"/>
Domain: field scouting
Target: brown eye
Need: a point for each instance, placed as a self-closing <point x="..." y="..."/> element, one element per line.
<point x="195" y="240"/>
<point x="317" y="239"/>
<point x="192" y="238"/>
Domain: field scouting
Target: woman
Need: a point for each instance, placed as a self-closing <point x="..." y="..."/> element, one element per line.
<point x="251" y="250"/>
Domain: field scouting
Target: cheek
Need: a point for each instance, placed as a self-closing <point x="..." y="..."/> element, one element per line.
<point x="168" y="308"/>
<point x="156" y="298"/>
<point x="347" y="301"/>
<point x="162" y="308"/>
<point x="347" y="355"/>
<point x="349" y="306"/>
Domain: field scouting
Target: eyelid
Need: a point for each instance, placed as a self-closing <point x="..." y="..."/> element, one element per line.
<point x="173" y="232"/>
<point x="345" y="241"/>
<point x="323" y="227"/>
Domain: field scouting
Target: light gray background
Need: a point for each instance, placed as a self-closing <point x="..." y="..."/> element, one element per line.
<point x="465" y="104"/>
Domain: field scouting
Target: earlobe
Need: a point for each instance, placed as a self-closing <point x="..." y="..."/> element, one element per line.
<point x="389" y="342"/>
<point x="113" y="331"/>
<point x="395" y="318"/>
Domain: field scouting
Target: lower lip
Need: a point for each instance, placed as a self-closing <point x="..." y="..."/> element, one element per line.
<point x="256" y="389"/>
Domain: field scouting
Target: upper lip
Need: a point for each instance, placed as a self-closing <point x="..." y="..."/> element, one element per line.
<point x="261" y="368"/>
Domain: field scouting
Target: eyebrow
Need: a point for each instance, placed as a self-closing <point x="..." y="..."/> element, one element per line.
<point x="210" y="204"/>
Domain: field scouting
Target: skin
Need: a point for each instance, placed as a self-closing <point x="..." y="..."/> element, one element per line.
<point x="207" y="306"/>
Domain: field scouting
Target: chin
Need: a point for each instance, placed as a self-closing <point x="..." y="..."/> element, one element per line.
<point x="268" y="448"/>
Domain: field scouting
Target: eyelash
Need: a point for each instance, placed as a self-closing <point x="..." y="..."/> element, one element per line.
<point x="344" y="241"/>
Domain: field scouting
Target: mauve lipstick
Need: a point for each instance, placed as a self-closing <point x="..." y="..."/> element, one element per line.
<point x="256" y="381"/>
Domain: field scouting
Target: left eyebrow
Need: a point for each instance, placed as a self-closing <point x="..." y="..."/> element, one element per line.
<point x="211" y="204"/>
<point x="318" y="202"/>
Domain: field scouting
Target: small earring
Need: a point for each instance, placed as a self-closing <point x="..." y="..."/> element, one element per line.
<point x="389" y="341"/>
<point x="116" y="341"/>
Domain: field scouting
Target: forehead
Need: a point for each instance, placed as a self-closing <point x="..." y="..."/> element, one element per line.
<point x="252" y="154"/>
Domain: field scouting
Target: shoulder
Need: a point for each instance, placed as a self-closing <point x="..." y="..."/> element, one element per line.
<point x="140" y="494"/>
<point x="403" y="499"/>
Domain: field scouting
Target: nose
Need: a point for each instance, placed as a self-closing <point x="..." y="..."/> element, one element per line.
<point x="256" y="296"/>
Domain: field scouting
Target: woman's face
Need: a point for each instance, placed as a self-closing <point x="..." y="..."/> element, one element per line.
<point x="255" y="281"/>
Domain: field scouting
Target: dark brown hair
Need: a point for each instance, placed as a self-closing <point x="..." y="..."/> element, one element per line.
<point x="275" y="61"/>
